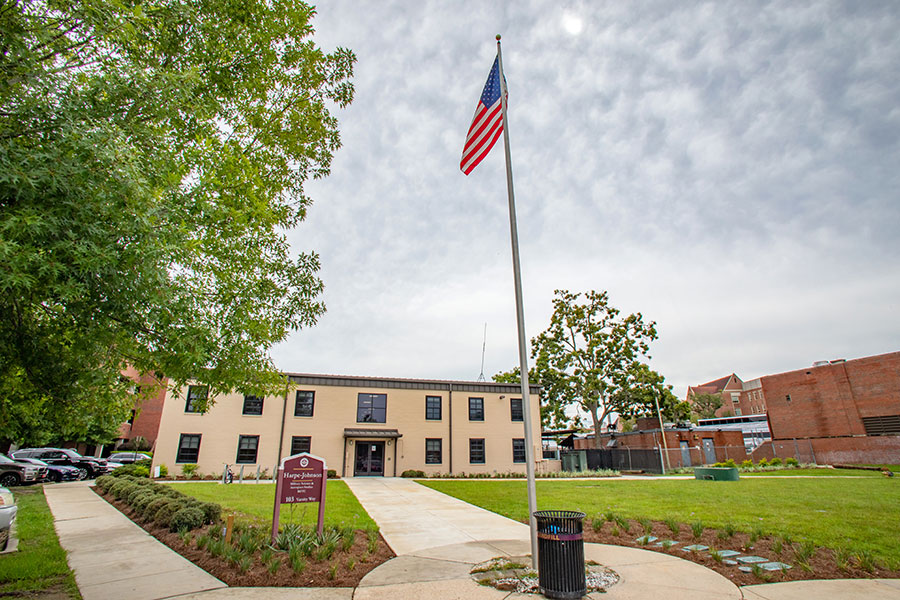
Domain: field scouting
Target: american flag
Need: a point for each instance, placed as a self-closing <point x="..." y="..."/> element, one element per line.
<point x="487" y="125"/>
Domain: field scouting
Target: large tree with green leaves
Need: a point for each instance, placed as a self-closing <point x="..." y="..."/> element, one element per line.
<point x="706" y="405"/>
<point x="152" y="156"/>
<point x="585" y="356"/>
<point x="640" y="392"/>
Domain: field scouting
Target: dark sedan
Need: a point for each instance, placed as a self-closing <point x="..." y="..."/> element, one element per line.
<point x="92" y="467"/>
<point x="55" y="473"/>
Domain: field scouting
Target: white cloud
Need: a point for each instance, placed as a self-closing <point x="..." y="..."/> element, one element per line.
<point x="727" y="169"/>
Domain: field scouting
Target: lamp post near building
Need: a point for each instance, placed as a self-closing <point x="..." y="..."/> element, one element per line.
<point x="662" y="432"/>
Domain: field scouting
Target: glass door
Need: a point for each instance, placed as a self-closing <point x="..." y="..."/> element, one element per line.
<point x="369" y="459"/>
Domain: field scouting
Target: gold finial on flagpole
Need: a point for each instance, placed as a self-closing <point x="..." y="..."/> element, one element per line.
<point x="498" y="37"/>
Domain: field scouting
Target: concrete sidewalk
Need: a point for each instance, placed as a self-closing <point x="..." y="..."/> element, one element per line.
<point x="415" y="520"/>
<point x="437" y="538"/>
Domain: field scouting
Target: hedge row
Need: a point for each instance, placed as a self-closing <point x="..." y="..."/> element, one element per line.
<point x="160" y="504"/>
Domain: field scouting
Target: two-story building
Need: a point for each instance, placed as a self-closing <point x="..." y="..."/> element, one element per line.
<point x="361" y="426"/>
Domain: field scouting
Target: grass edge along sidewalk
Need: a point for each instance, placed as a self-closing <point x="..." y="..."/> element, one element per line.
<point x="257" y="500"/>
<point x="39" y="565"/>
<point x="858" y="514"/>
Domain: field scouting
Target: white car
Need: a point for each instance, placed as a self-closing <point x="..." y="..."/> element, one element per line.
<point x="8" y="511"/>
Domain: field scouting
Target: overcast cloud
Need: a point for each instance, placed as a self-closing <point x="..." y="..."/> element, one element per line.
<point x="728" y="169"/>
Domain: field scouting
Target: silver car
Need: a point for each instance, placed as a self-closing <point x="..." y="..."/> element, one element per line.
<point x="8" y="511"/>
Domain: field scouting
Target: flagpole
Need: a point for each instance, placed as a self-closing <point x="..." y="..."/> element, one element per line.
<point x="520" y="320"/>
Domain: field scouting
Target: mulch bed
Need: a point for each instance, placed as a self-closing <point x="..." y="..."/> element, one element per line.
<point x="316" y="573"/>
<point x="822" y="565"/>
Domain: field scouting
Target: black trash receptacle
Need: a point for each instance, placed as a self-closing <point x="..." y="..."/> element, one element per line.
<point x="561" y="553"/>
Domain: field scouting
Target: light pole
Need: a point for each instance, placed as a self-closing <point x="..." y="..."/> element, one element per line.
<point x="662" y="431"/>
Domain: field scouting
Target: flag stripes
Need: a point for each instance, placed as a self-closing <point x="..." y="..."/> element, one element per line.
<point x="487" y="124"/>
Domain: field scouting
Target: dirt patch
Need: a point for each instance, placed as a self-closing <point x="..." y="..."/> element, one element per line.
<point x="822" y="563"/>
<point x="345" y="568"/>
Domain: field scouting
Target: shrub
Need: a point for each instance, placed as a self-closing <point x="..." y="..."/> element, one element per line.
<point x="212" y="512"/>
<point x="763" y="462"/>
<point x="131" y="471"/>
<point x="151" y="507"/>
<point x="121" y="488"/>
<point x="747" y="464"/>
<point x="412" y="473"/>
<point x="104" y="482"/>
<point x="186" y="519"/>
<point x="332" y="474"/>
<point x="163" y="471"/>
<point x="140" y="501"/>
<point x="164" y="514"/>
<point x="775" y="462"/>
<point x="792" y="462"/>
<point x="188" y="470"/>
<point x="137" y="491"/>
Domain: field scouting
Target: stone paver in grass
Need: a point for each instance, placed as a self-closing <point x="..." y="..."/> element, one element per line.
<point x="728" y="553"/>
<point x="696" y="548"/>
<point x="774" y="566"/>
<point x="646" y="539"/>
<point x="745" y="569"/>
<point x="667" y="543"/>
<point x="749" y="560"/>
<point x="729" y="562"/>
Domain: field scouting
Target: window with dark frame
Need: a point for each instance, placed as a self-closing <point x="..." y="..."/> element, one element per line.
<point x="305" y="403"/>
<point x="476" y="409"/>
<point x="433" y="454"/>
<point x="300" y="443"/>
<point x="247" y="446"/>
<point x="188" y="448"/>
<point x="195" y="395"/>
<point x="518" y="450"/>
<point x="432" y="408"/>
<point x="371" y="408"/>
<point x="515" y="409"/>
<point x="476" y="451"/>
<point x="253" y="405"/>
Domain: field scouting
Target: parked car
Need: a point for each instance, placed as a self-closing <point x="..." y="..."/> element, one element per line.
<point x="55" y="473"/>
<point x="92" y="467"/>
<point x="8" y="511"/>
<point x="127" y="458"/>
<point x="13" y="472"/>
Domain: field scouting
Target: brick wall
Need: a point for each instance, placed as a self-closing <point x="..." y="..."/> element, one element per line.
<point x="835" y="450"/>
<point x="830" y="400"/>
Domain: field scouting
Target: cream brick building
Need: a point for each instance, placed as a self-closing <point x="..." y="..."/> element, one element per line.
<point x="361" y="426"/>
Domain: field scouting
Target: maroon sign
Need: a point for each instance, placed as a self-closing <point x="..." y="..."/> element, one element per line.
<point x="301" y="478"/>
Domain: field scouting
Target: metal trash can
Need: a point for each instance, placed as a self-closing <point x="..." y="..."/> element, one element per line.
<point x="561" y="553"/>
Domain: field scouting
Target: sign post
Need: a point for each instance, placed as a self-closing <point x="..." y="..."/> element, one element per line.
<point x="300" y="478"/>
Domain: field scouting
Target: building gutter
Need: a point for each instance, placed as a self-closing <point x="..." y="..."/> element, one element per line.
<point x="281" y="435"/>
<point x="450" y="425"/>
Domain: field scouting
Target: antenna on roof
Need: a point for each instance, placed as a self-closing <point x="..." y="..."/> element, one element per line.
<point x="483" y="346"/>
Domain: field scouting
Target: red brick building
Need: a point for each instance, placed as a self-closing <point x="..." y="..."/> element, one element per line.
<point x="146" y="415"/>
<point x="838" y="411"/>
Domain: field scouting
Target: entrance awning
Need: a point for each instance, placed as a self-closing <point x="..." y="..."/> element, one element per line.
<point x="372" y="433"/>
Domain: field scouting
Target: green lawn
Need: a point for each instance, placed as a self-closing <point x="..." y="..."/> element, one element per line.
<point x="40" y="562"/>
<point x="857" y="513"/>
<point x="257" y="500"/>
<point x="813" y="473"/>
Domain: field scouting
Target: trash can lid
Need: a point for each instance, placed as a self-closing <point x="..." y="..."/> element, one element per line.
<point x="558" y="514"/>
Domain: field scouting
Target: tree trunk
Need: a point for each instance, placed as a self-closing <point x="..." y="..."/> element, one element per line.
<point x="592" y="408"/>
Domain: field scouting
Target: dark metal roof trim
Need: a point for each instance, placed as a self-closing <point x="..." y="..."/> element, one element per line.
<point x="409" y="384"/>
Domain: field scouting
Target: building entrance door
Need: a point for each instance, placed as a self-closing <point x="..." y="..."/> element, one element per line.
<point x="709" y="451"/>
<point x="685" y="454"/>
<point x="369" y="459"/>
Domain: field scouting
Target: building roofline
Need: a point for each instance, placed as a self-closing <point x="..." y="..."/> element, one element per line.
<point x="404" y="383"/>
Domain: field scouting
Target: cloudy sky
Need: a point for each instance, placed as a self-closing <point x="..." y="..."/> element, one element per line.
<point x="729" y="169"/>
